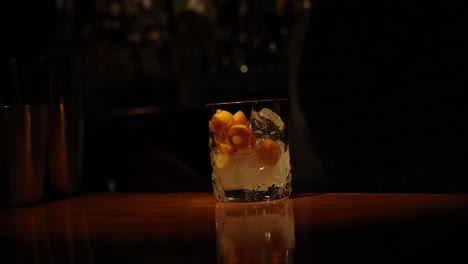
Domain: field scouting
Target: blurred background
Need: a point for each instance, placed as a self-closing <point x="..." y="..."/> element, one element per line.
<point x="378" y="87"/>
<point x="149" y="66"/>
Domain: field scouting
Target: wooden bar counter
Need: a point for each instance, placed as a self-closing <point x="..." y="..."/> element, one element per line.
<point x="194" y="228"/>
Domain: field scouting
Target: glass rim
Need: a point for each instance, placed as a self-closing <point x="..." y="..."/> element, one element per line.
<point x="282" y="99"/>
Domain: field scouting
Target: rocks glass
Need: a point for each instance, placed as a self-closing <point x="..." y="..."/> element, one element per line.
<point x="249" y="150"/>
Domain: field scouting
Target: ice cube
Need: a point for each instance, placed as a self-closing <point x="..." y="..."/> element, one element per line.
<point x="248" y="169"/>
<point x="242" y="172"/>
<point x="245" y="171"/>
<point x="258" y="123"/>
<point x="266" y="124"/>
<point x="228" y="177"/>
<point x="273" y="117"/>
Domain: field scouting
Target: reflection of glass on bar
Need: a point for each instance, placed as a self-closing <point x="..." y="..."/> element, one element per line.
<point x="255" y="232"/>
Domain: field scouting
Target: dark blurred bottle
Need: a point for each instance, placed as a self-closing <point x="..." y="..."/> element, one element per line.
<point x="43" y="71"/>
<point x="26" y="31"/>
<point x="23" y="130"/>
<point x="66" y="117"/>
<point x="66" y="127"/>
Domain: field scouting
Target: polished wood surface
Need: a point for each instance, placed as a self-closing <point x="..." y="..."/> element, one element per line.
<point x="194" y="228"/>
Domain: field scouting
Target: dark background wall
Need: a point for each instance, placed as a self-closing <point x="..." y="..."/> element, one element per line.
<point x="381" y="85"/>
<point x="378" y="83"/>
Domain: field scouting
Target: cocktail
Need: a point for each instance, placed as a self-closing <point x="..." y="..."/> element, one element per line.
<point x="249" y="150"/>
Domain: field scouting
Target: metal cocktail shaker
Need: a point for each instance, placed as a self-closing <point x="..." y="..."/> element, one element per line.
<point x="65" y="126"/>
<point x="41" y="129"/>
<point x="22" y="153"/>
<point x="23" y="131"/>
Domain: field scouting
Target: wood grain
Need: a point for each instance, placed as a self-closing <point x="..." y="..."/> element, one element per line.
<point x="182" y="228"/>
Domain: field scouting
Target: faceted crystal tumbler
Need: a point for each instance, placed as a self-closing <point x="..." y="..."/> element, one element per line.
<point x="249" y="150"/>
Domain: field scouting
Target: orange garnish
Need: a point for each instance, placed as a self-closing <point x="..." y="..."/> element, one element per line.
<point x="222" y="120"/>
<point x="229" y="149"/>
<point x="241" y="137"/>
<point x="239" y="118"/>
<point x="222" y="155"/>
<point x="269" y="153"/>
